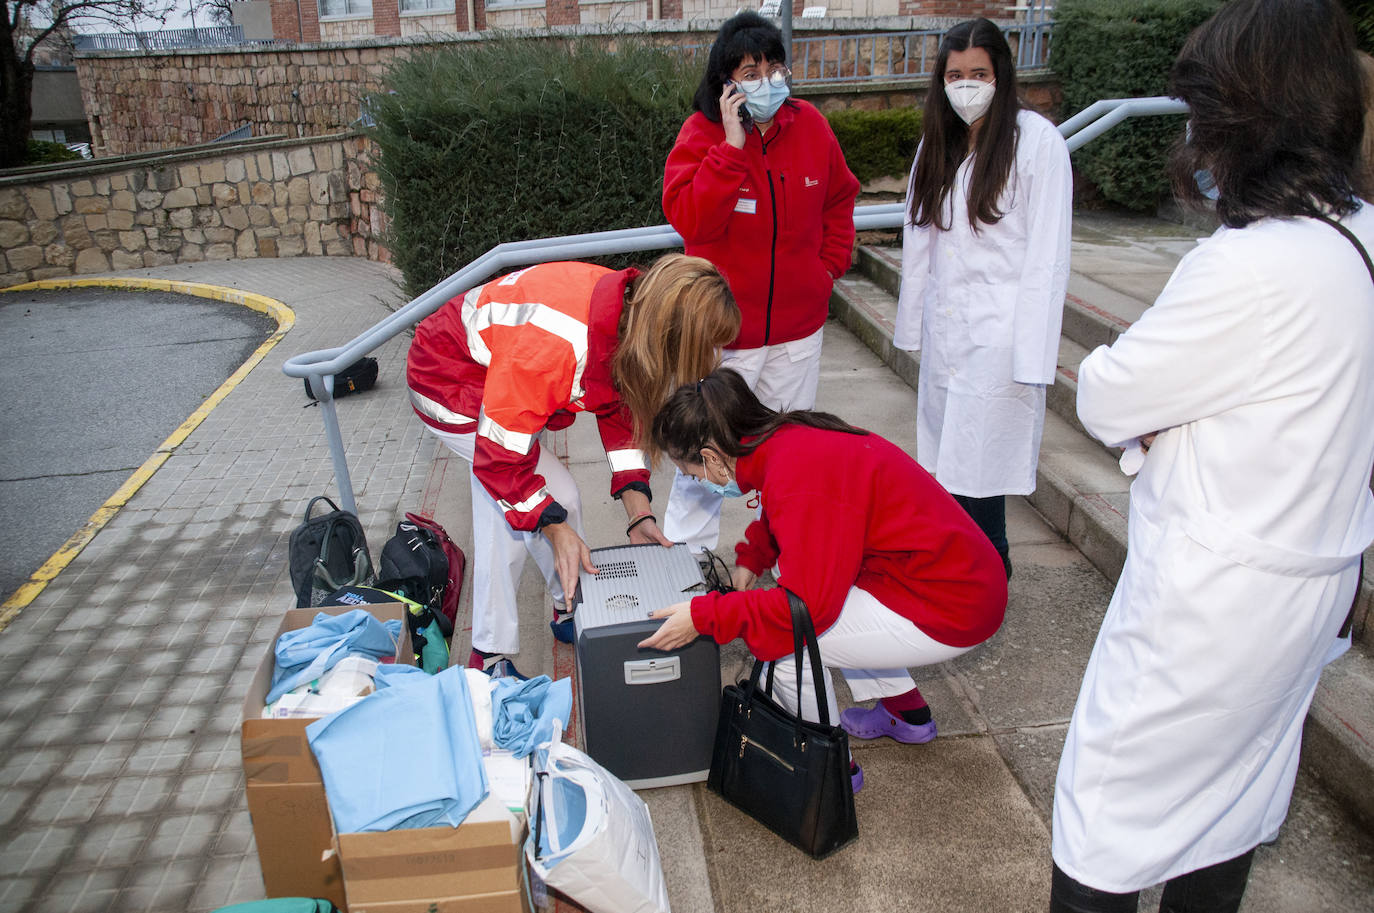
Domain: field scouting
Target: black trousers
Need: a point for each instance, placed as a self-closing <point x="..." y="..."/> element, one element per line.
<point x="1215" y="889"/>
<point x="991" y="516"/>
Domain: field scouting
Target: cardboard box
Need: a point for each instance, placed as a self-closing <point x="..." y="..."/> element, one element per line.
<point x="476" y="868"/>
<point x="291" y="823"/>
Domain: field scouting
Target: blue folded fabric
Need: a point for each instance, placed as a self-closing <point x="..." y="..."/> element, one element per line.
<point x="305" y="654"/>
<point x="402" y="757"/>
<point x="393" y="674"/>
<point x="522" y="713"/>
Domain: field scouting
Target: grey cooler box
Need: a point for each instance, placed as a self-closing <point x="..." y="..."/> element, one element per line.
<point x="648" y="717"/>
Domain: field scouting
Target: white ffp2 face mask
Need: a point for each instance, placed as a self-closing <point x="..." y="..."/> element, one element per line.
<point x="970" y="98"/>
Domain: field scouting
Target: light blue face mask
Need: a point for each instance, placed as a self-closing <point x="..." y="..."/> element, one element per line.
<point x="763" y="97"/>
<point x="1206" y="184"/>
<point x="729" y="490"/>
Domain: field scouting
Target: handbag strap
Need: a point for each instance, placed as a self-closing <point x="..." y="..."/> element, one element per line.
<point x="803" y="632"/>
<point x="1350" y="236"/>
<point x="1369" y="265"/>
<point x="803" y="635"/>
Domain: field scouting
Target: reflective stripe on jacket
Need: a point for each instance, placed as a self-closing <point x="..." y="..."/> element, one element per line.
<point x="518" y="355"/>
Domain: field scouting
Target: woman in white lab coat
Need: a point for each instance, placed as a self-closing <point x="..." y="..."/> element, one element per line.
<point x="1250" y="383"/>
<point x="985" y="262"/>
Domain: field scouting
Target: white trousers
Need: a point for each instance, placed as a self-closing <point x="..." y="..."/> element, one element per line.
<point x="499" y="552"/>
<point x="872" y="645"/>
<point x="783" y="377"/>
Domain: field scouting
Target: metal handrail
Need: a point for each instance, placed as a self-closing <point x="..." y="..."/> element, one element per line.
<point x="321" y="365"/>
<point x="1101" y="116"/>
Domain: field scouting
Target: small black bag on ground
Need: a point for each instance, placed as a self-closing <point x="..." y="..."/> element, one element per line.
<point x="357" y="377"/>
<point x="414" y="562"/>
<point x="326" y="553"/>
<point x="790" y="775"/>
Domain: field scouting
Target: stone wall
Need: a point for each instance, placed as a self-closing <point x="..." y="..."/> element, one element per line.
<point x="276" y="198"/>
<point x="147" y="102"/>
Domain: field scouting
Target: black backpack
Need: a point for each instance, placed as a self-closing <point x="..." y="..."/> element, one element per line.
<point x="415" y="564"/>
<point x="326" y="553"/>
<point x="357" y="377"/>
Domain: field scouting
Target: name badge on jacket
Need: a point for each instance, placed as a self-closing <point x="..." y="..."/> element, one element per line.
<point x="746" y="206"/>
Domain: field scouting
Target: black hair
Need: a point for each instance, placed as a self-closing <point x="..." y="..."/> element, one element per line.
<point x="944" y="143"/>
<point x="721" y="411"/>
<point x="743" y="35"/>
<point x="1277" y="110"/>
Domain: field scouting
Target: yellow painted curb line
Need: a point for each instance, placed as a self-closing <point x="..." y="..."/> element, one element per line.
<point x="285" y="318"/>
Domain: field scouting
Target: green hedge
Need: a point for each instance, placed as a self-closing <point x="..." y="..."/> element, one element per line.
<point x="1121" y="49"/>
<point x="1362" y="16"/>
<point x="877" y="144"/>
<point x="43" y="152"/>
<point x="508" y="140"/>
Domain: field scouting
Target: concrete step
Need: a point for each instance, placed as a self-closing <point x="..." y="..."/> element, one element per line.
<point x="877" y="279"/>
<point x="1083" y="494"/>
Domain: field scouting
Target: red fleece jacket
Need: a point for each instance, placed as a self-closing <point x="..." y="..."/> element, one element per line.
<point x="843" y="510"/>
<point x="776" y="217"/>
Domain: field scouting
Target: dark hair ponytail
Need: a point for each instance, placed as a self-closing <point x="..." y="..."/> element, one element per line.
<point x="721" y="411"/>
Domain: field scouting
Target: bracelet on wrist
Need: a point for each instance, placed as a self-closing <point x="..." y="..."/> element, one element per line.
<point x="638" y="520"/>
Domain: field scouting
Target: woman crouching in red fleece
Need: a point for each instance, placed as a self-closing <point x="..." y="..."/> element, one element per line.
<point x="894" y="572"/>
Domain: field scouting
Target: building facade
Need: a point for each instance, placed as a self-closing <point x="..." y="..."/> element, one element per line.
<point x="341" y="20"/>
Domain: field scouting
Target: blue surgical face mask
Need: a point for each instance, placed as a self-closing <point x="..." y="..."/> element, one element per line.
<point x="1206" y="184"/>
<point x="729" y="490"/>
<point x="763" y="97"/>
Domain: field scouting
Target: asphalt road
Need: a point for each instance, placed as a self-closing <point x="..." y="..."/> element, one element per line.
<point x="91" y="382"/>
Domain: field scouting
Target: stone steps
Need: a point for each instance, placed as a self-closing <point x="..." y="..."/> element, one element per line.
<point x="1083" y="494"/>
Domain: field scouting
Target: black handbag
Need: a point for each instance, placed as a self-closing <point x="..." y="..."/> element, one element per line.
<point x="790" y="775"/>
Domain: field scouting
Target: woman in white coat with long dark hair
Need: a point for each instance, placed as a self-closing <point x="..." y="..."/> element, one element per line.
<point x="985" y="263"/>
<point x="1245" y="398"/>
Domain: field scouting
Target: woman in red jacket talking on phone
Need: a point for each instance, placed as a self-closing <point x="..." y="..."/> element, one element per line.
<point x="756" y="183"/>
<point x="893" y="571"/>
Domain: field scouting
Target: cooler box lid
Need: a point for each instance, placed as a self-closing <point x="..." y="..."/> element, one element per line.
<point x="634" y="580"/>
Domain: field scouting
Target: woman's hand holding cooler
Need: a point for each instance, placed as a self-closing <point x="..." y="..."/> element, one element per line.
<point x="677" y="630"/>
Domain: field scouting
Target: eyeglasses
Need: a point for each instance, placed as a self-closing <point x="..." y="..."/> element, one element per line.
<point x="777" y="78"/>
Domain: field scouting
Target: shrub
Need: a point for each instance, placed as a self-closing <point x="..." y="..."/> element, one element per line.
<point x="877" y="144"/>
<point x="508" y="140"/>
<point x="1362" y="17"/>
<point x="42" y="152"/>
<point x="1124" y="49"/>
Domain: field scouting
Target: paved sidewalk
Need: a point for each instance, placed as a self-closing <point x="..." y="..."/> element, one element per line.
<point x="120" y="685"/>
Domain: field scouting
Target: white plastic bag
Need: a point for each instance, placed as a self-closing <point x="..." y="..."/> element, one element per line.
<point x="591" y="837"/>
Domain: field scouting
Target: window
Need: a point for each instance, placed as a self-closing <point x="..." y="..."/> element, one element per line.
<point x="412" y="6"/>
<point x="332" y="8"/>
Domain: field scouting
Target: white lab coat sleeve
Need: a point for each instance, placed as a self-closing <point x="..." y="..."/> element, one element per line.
<point x="1045" y="271"/>
<point x="1197" y="352"/>
<point x="916" y="249"/>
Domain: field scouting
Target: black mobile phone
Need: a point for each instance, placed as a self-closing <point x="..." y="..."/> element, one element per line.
<point x="745" y="117"/>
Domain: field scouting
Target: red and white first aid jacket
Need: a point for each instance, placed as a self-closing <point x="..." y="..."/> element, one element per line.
<point x="844" y="510"/>
<point x="519" y="355"/>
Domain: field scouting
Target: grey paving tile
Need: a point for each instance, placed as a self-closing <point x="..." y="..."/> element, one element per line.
<point x="16" y="893"/>
<point x="112" y="843"/>
<point x="133" y="794"/>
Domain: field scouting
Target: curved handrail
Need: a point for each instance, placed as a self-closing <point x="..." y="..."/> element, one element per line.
<point x="321" y="365"/>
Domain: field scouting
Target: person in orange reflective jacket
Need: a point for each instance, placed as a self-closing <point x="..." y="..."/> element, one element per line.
<point x="496" y="367"/>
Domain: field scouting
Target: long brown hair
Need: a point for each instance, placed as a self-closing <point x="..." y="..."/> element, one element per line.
<point x="944" y="143"/>
<point x="678" y="314"/>
<point x="721" y="411"/>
